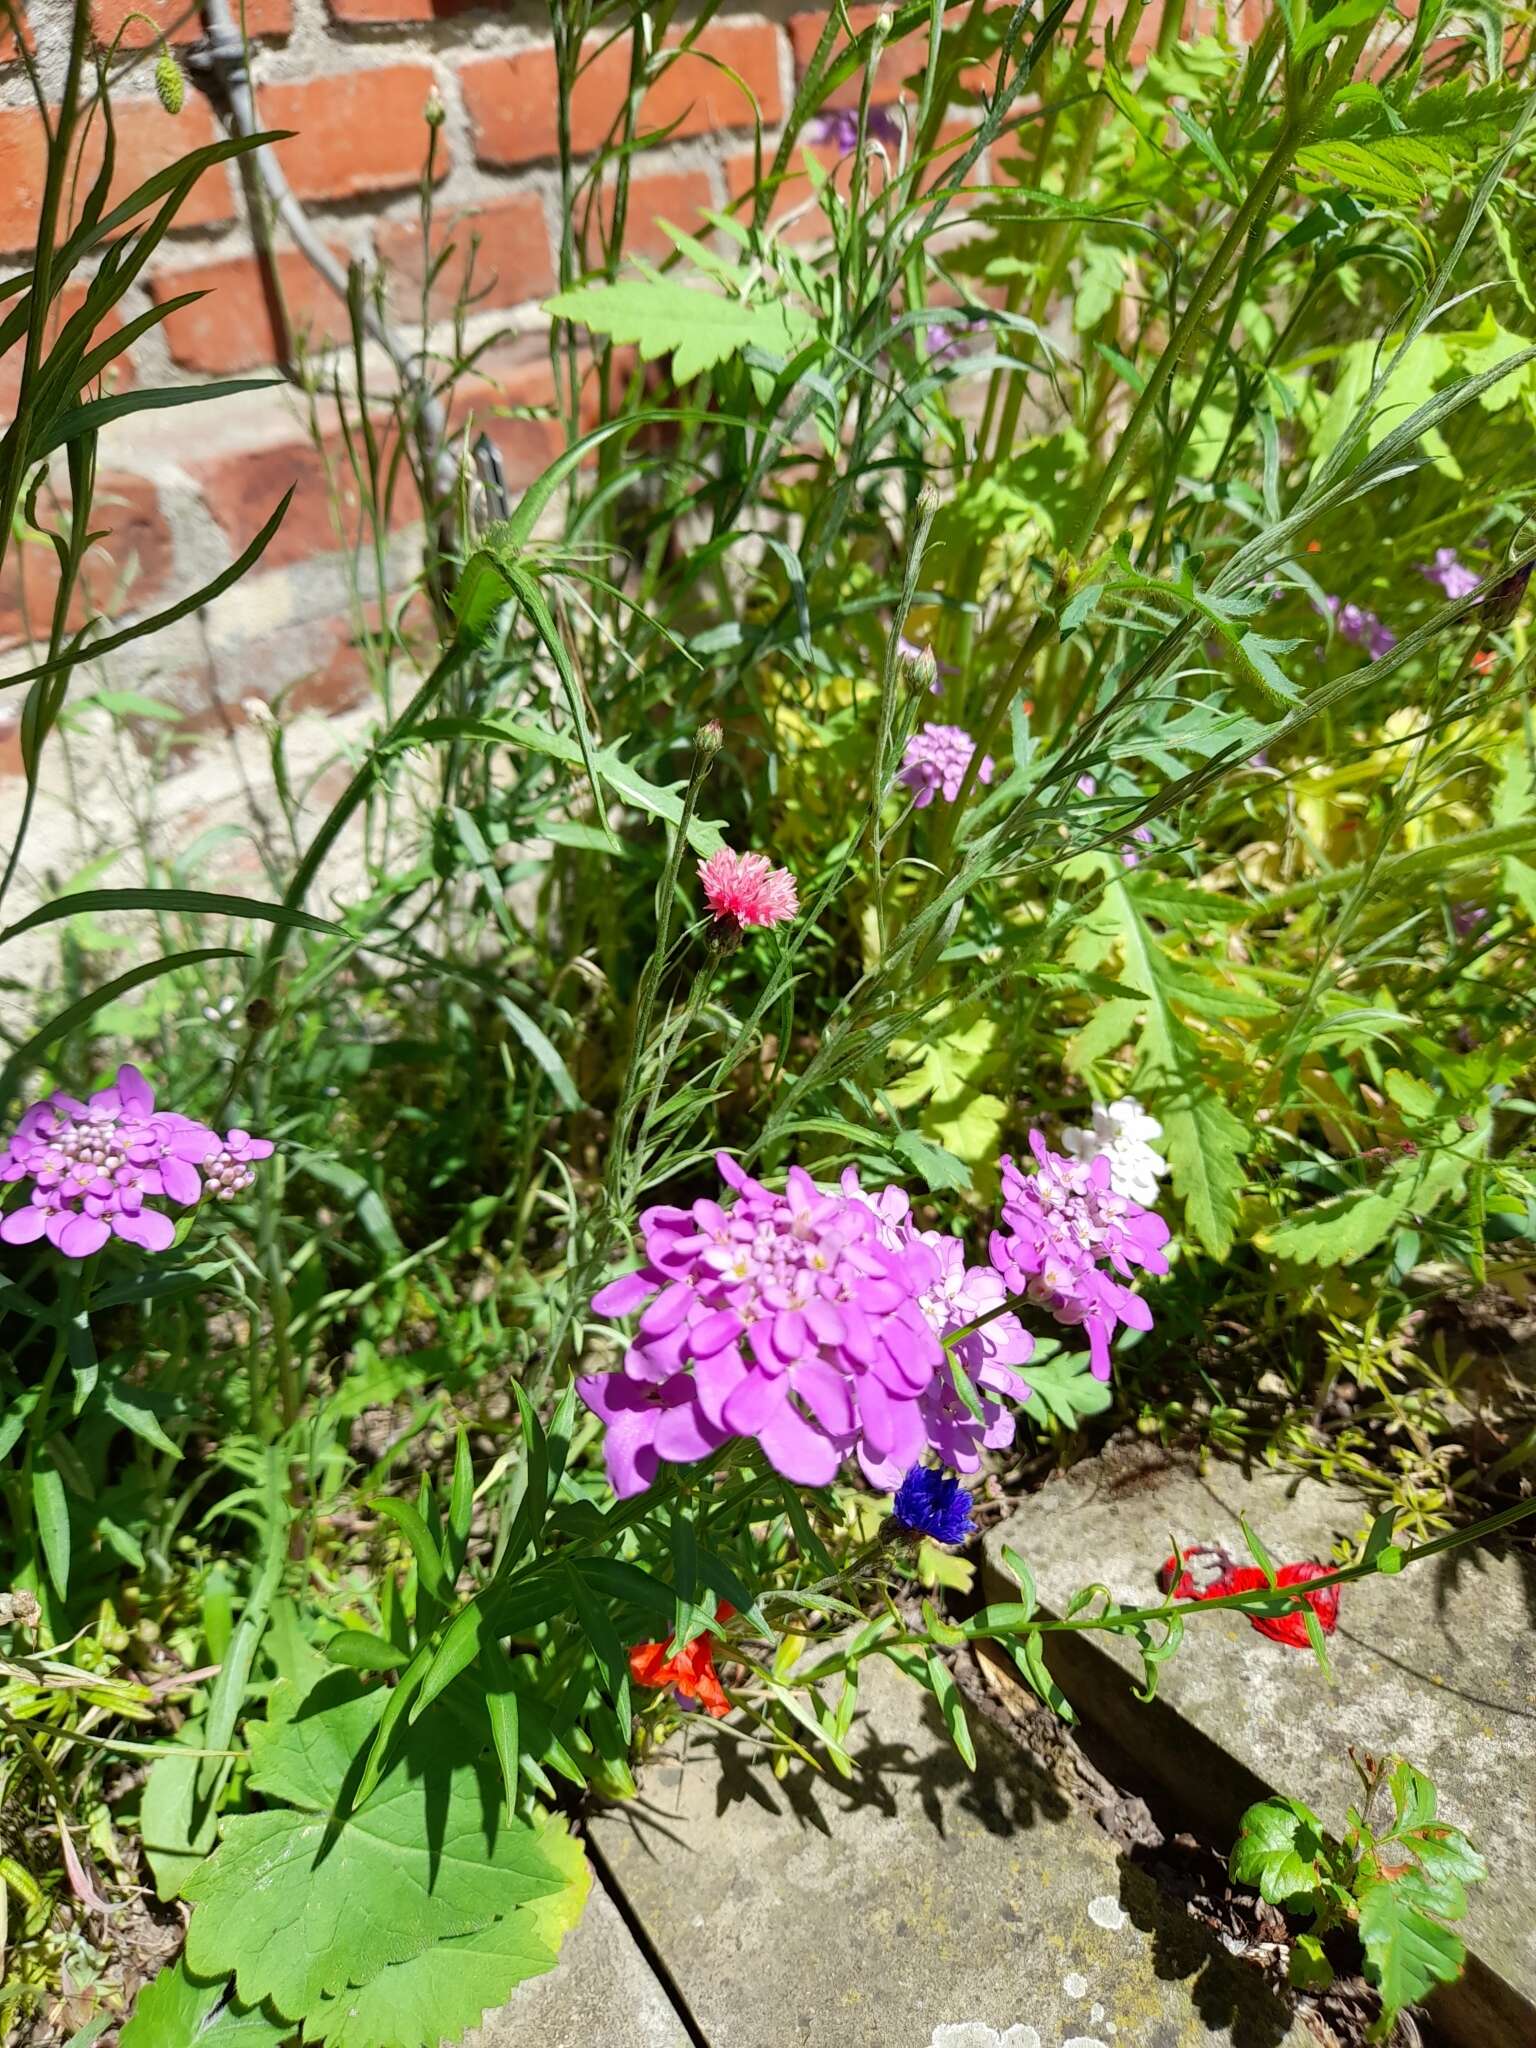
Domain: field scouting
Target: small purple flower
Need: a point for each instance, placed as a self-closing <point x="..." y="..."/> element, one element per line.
<point x="1362" y="628"/>
<point x="1466" y="917"/>
<point x="935" y="1504"/>
<point x="1062" y="1227"/>
<point x="935" y="762"/>
<point x="232" y="1169"/>
<point x="840" y="127"/>
<point x="1451" y="573"/>
<point x="95" y="1167"/>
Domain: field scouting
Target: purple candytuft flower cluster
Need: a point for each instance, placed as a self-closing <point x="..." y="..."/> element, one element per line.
<point x="935" y="762"/>
<point x="1065" y="1237"/>
<point x="785" y="1317"/>
<point x="826" y="1325"/>
<point x="931" y="1503"/>
<point x="956" y="1296"/>
<point x="1362" y="628"/>
<point x="96" y="1166"/>
<point x="1451" y="573"/>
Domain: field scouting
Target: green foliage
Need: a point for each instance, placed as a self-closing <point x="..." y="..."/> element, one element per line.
<point x="1233" y="344"/>
<point x="1398" y="1876"/>
<point x="342" y="1912"/>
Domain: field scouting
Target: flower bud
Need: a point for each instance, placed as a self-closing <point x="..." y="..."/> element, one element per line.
<point x="922" y="668"/>
<point x="927" y="502"/>
<point x="1498" y="608"/>
<point x="170" y="85"/>
<point x="709" y="738"/>
<point x="434" y="113"/>
<point x="884" y="23"/>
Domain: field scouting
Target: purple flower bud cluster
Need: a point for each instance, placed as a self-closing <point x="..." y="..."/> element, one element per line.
<point x="840" y="127"/>
<point x="935" y="762"/>
<point x="1065" y="1237"/>
<point x="96" y="1166"/>
<point x="1362" y="628"/>
<point x="1451" y="573"/>
<point x="823" y="1323"/>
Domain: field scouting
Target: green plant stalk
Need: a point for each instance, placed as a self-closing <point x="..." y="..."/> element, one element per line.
<point x="650" y="981"/>
<point x="60" y="138"/>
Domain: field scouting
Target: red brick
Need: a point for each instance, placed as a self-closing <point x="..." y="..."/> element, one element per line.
<point x="232" y="328"/>
<point x="510" y="243"/>
<point x="119" y="372"/>
<point x="681" y="197"/>
<point x="367" y="13"/>
<point x="512" y="100"/>
<point x="354" y="132"/>
<point x="794" y="190"/>
<point x="899" y="60"/>
<point x="123" y="573"/>
<point x="11" y="762"/>
<point x="8" y="50"/>
<point x="147" y="139"/>
<point x="181" y="22"/>
<point x="242" y="488"/>
<point x="527" y="446"/>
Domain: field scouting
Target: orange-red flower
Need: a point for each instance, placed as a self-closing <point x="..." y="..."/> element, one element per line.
<point x="691" y="1673"/>
<point x="1204" y="1572"/>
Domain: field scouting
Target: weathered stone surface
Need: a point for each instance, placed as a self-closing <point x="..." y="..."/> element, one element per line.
<point x="600" y="1995"/>
<point x="919" y="1906"/>
<point x="1438" y="1664"/>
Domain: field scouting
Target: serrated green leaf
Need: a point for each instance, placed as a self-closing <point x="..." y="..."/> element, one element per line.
<point x="1281" y="1850"/>
<point x="301" y="1900"/>
<point x="445" y="1989"/>
<point x="175" y="2010"/>
<point x="1406" y="1952"/>
<point x="698" y="329"/>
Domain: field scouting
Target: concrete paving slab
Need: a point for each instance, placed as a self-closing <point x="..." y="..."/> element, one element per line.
<point x="919" y="1906"/>
<point x="601" y="1994"/>
<point x="1438" y="1664"/>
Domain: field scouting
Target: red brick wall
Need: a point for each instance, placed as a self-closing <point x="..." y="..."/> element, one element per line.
<point x="351" y="79"/>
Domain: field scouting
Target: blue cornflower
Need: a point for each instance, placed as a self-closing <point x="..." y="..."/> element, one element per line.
<point x="933" y="1503"/>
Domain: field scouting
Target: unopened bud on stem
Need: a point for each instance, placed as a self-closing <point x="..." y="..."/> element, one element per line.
<point x="709" y="738"/>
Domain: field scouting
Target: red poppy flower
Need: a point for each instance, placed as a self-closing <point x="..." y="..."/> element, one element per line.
<point x="1205" y="1573"/>
<point x="691" y="1673"/>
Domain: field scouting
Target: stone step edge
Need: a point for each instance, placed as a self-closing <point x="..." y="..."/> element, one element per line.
<point x="1203" y="1781"/>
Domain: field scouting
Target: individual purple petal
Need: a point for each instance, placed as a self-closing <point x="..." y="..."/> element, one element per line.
<point x="77" y="1237"/>
<point x="23" y="1226"/>
<point x="180" y="1182"/>
<point x="623" y="1296"/>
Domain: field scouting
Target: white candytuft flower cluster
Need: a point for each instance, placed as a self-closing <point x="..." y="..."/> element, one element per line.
<point x="1124" y="1134"/>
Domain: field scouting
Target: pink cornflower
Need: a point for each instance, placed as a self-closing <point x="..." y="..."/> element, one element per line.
<point x="97" y="1166"/>
<point x="747" y="889"/>
<point x="1063" y="1227"/>
<point x="935" y="762"/>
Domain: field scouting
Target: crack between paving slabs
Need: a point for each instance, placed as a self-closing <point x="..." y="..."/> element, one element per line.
<point x="636" y="1929"/>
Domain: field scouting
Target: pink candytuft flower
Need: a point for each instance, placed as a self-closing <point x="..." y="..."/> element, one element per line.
<point x="746" y="888"/>
<point x="957" y="1295"/>
<point x="95" y="1168"/>
<point x="935" y="762"/>
<point x="232" y="1169"/>
<point x="787" y="1317"/>
<point x="1066" y="1236"/>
